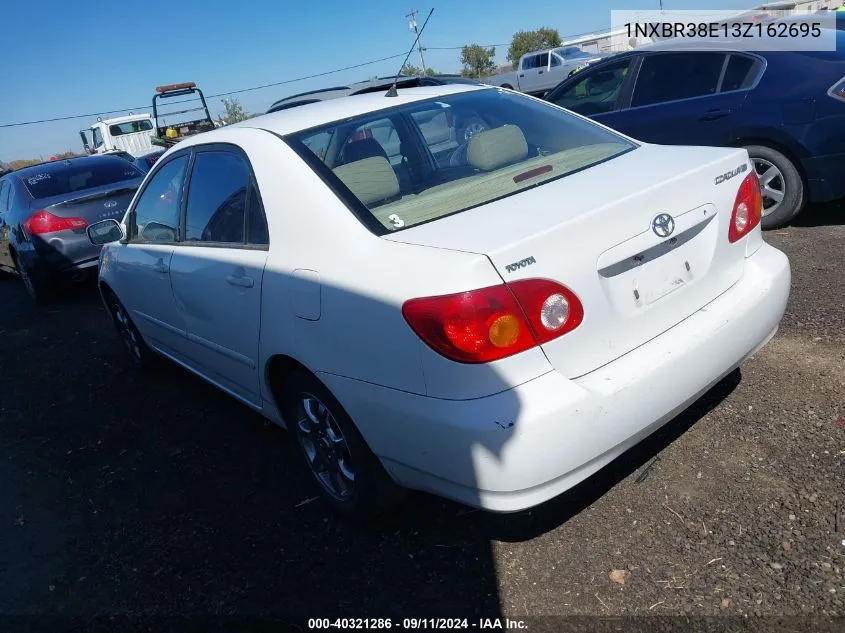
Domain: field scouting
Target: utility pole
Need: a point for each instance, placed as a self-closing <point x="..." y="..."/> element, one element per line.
<point x="412" y="24"/>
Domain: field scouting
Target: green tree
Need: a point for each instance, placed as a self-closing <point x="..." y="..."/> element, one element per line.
<point x="477" y="60"/>
<point x="527" y="41"/>
<point x="415" y="71"/>
<point x="234" y="112"/>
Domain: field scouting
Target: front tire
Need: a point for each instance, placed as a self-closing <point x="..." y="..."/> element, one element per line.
<point x="140" y="354"/>
<point x="39" y="291"/>
<point x="780" y="184"/>
<point x="348" y="475"/>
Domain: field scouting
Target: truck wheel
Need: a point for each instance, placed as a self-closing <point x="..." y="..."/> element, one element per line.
<point x="780" y="184"/>
<point x="508" y="86"/>
<point x="347" y="474"/>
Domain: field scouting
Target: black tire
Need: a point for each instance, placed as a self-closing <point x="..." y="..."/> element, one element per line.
<point x="39" y="291"/>
<point x="508" y="86"/>
<point x="139" y="353"/>
<point x="371" y="491"/>
<point x="788" y="182"/>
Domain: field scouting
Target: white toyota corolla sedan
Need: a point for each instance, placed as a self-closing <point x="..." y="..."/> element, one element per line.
<point x="462" y="290"/>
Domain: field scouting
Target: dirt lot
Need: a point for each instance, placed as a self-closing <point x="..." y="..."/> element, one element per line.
<point x="132" y="495"/>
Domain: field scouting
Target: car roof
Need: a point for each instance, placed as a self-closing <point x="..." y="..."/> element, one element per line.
<point x="321" y="112"/>
<point x="372" y="84"/>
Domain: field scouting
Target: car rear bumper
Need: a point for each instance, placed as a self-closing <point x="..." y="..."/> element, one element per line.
<point x="825" y="177"/>
<point x="59" y="253"/>
<point x="523" y="446"/>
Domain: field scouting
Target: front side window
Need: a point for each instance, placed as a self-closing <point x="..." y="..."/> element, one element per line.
<point x="597" y="91"/>
<point x="674" y="76"/>
<point x="157" y="209"/>
<point x="98" y="137"/>
<point x="217" y="198"/>
<point x="501" y="143"/>
<point x="529" y="62"/>
<point x="4" y="197"/>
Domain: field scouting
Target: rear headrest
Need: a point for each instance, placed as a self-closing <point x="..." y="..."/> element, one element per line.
<point x="361" y="149"/>
<point x="493" y="148"/>
<point x="371" y="179"/>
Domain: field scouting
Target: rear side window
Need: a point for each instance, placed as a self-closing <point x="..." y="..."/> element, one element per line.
<point x="157" y="210"/>
<point x="597" y="92"/>
<point x="740" y="73"/>
<point x="217" y="198"/>
<point x="60" y="179"/>
<point x="674" y="76"/>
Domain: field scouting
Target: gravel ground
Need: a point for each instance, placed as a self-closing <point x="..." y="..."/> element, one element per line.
<point x="129" y="495"/>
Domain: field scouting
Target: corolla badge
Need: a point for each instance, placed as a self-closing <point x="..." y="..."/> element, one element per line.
<point x="663" y="225"/>
<point x="108" y="204"/>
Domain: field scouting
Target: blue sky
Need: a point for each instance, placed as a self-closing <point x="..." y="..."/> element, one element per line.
<point x="64" y="58"/>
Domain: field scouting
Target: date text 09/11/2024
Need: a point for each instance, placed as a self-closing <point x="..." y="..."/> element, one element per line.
<point x="667" y="30"/>
<point x="416" y="624"/>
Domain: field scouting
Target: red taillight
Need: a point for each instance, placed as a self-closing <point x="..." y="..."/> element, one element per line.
<point x="479" y="326"/>
<point x="748" y="208"/>
<point x="44" y="222"/>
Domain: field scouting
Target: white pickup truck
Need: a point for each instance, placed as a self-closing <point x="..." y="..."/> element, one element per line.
<point x="540" y="71"/>
<point x="132" y="134"/>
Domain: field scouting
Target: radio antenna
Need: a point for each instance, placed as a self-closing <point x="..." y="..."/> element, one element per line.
<point x="392" y="92"/>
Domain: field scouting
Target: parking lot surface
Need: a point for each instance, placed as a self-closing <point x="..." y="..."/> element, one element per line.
<point x="132" y="494"/>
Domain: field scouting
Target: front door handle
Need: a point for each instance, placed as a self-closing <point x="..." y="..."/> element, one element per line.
<point x="160" y="267"/>
<point x="713" y="114"/>
<point x="540" y="72"/>
<point x="522" y="74"/>
<point x="243" y="282"/>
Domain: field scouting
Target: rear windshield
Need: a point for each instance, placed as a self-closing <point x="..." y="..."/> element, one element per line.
<point x="130" y="127"/>
<point x="58" y="180"/>
<point x="425" y="160"/>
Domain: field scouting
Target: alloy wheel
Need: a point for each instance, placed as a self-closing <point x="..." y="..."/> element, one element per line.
<point x="325" y="447"/>
<point x="772" y="184"/>
<point x="127" y="331"/>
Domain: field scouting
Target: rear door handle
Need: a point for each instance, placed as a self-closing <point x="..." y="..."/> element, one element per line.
<point x="243" y="282"/>
<point x="522" y="75"/>
<point x="712" y="115"/>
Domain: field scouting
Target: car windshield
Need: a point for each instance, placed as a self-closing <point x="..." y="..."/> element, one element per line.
<point x="428" y="159"/>
<point x="571" y="52"/>
<point x="57" y="179"/>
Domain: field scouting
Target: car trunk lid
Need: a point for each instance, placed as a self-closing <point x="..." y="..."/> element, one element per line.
<point x="604" y="233"/>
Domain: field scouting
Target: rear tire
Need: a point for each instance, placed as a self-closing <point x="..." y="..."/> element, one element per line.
<point x="139" y="353"/>
<point x="781" y="185"/>
<point x="39" y="291"/>
<point x="347" y="474"/>
<point x="508" y="86"/>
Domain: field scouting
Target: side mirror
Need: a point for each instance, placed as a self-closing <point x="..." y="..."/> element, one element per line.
<point x="105" y="232"/>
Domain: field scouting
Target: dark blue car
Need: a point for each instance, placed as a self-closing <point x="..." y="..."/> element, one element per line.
<point x="787" y="108"/>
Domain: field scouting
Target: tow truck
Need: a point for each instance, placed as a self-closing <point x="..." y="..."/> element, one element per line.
<point x="168" y="134"/>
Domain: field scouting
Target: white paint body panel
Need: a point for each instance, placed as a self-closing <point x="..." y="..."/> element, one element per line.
<point x="505" y="435"/>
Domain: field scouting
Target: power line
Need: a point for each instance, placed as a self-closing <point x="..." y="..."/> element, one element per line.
<point x="220" y="94"/>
